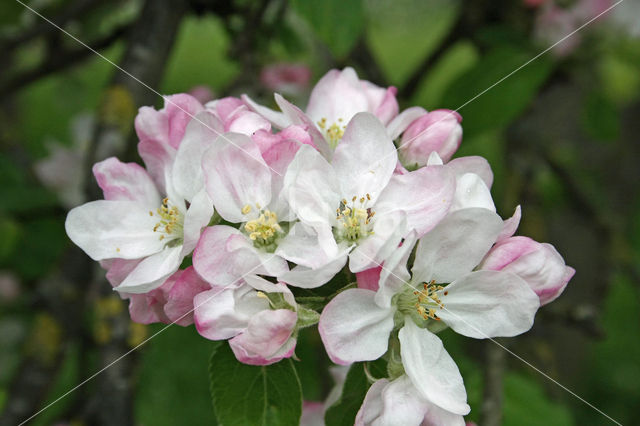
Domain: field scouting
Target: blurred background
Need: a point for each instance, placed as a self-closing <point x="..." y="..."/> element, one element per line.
<point x="562" y="135"/>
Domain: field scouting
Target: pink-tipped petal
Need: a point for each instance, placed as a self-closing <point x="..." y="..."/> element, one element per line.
<point x="126" y="182"/>
<point x="353" y="328"/>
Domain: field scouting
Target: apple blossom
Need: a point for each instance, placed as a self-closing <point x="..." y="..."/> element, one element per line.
<point x="134" y="221"/>
<point x="356" y="324"/>
<point x="540" y="265"/>
<point x="355" y="204"/>
<point x="240" y="184"/>
<point x="334" y="101"/>
<point x="290" y="79"/>
<point x="258" y="317"/>
<point x="437" y="131"/>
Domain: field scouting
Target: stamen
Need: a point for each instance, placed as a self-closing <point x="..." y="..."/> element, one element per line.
<point x="171" y="220"/>
<point x="263" y="230"/>
<point x="429" y="300"/>
<point x="355" y="221"/>
<point x="334" y="132"/>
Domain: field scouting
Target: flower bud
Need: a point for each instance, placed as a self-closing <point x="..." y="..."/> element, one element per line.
<point x="289" y="79"/>
<point x="436" y="131"/>
<point x="539" y="264"/>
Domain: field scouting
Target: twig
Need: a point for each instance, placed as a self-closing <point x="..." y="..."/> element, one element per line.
<point x="74" y="10"/>
<point x="491" y="410"/>
<point x="65" y="299"/>
<point x="58" y="62"/>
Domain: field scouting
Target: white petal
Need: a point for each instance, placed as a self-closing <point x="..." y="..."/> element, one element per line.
<point x="198" y="137"/>
<point x="371" y="408"/>
<point x="151" y="272"/>
<point x="197" y="217"/>
<point x="278" y="119"/>
<point x="489" y="304"/>
<point x="402" y="404"/>
<point x="400" y="123"/>
<point x="471" y="191"/>
<point x="365" y="158"/>
<point x="437" y="416"/>
<point x="431" y="369"/>
<point x="353" y="328"/>
<point x="510" y="225"/>
<point x="237" y="176"/>
<point x="394" y="274"/>
<point x="311" y="188"/>
<point x="472" y="164"/>
<point x="456" y="245"/>
<point x="108" y="229"/>
<point x="300" y="118"/>
<point x="388" y="230"/>
<point x="337" y="95"/>
<point x="425" y="195"/>
<point x="222" y="313"/>
<point x="304" y="277"/>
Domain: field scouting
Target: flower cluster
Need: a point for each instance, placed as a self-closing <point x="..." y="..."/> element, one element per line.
<point x="240" y="209"/>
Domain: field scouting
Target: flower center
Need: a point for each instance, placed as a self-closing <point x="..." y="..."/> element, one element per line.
<point x="422" y="305"/>
<point x="263" y="230"/>
<point x="354" y="219"/>
<point x="429" y="300"/>
<point x="171" y="221"/>
<point x="333" y="132"/>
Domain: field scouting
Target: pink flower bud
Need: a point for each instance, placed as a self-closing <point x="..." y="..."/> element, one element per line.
<point x="291" y="79"/>
<point x="202" y="93"/>
<point x="437" y="131"/>
<point x="539" y="264"/>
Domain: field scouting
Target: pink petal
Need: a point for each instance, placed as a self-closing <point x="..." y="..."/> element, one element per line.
<point x="180" y="109"/>
<point x="126" y="181"/>
<point x="179" y="307"/>
<point x="368" y="279"/>
<point x="266" y="333"/>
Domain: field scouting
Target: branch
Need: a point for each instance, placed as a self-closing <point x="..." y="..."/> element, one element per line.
<point x="43" y="28"/>
<point x="491" y="410"/>
<point x="65" y="299"/>
<point x="59" y="61"/>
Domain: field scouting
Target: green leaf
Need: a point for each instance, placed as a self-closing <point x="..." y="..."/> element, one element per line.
<point x="458" y="59"/>
<point x="356" y="385"/>
<point x="254" y="395"/>
<point x="500" y="96"/>
<point x="173" y="384"/>
<point x="403" y="33"/>
<point x="338" y="23"/>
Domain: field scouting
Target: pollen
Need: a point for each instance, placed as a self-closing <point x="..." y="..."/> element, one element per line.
<point x="263" y="230"/>
<point x="171" y="220"/>
<point x="333" y="132"/>
<point x="354" y="219"/>
<point x="429" y="300"/>
<point x="246" y="209"/>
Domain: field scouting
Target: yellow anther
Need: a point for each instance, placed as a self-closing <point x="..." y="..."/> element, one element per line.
<point x="355" y="220"/>
<point x="428" y="299"/>
<point x="171" y="220"/>
<point x="263" y="229"/>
